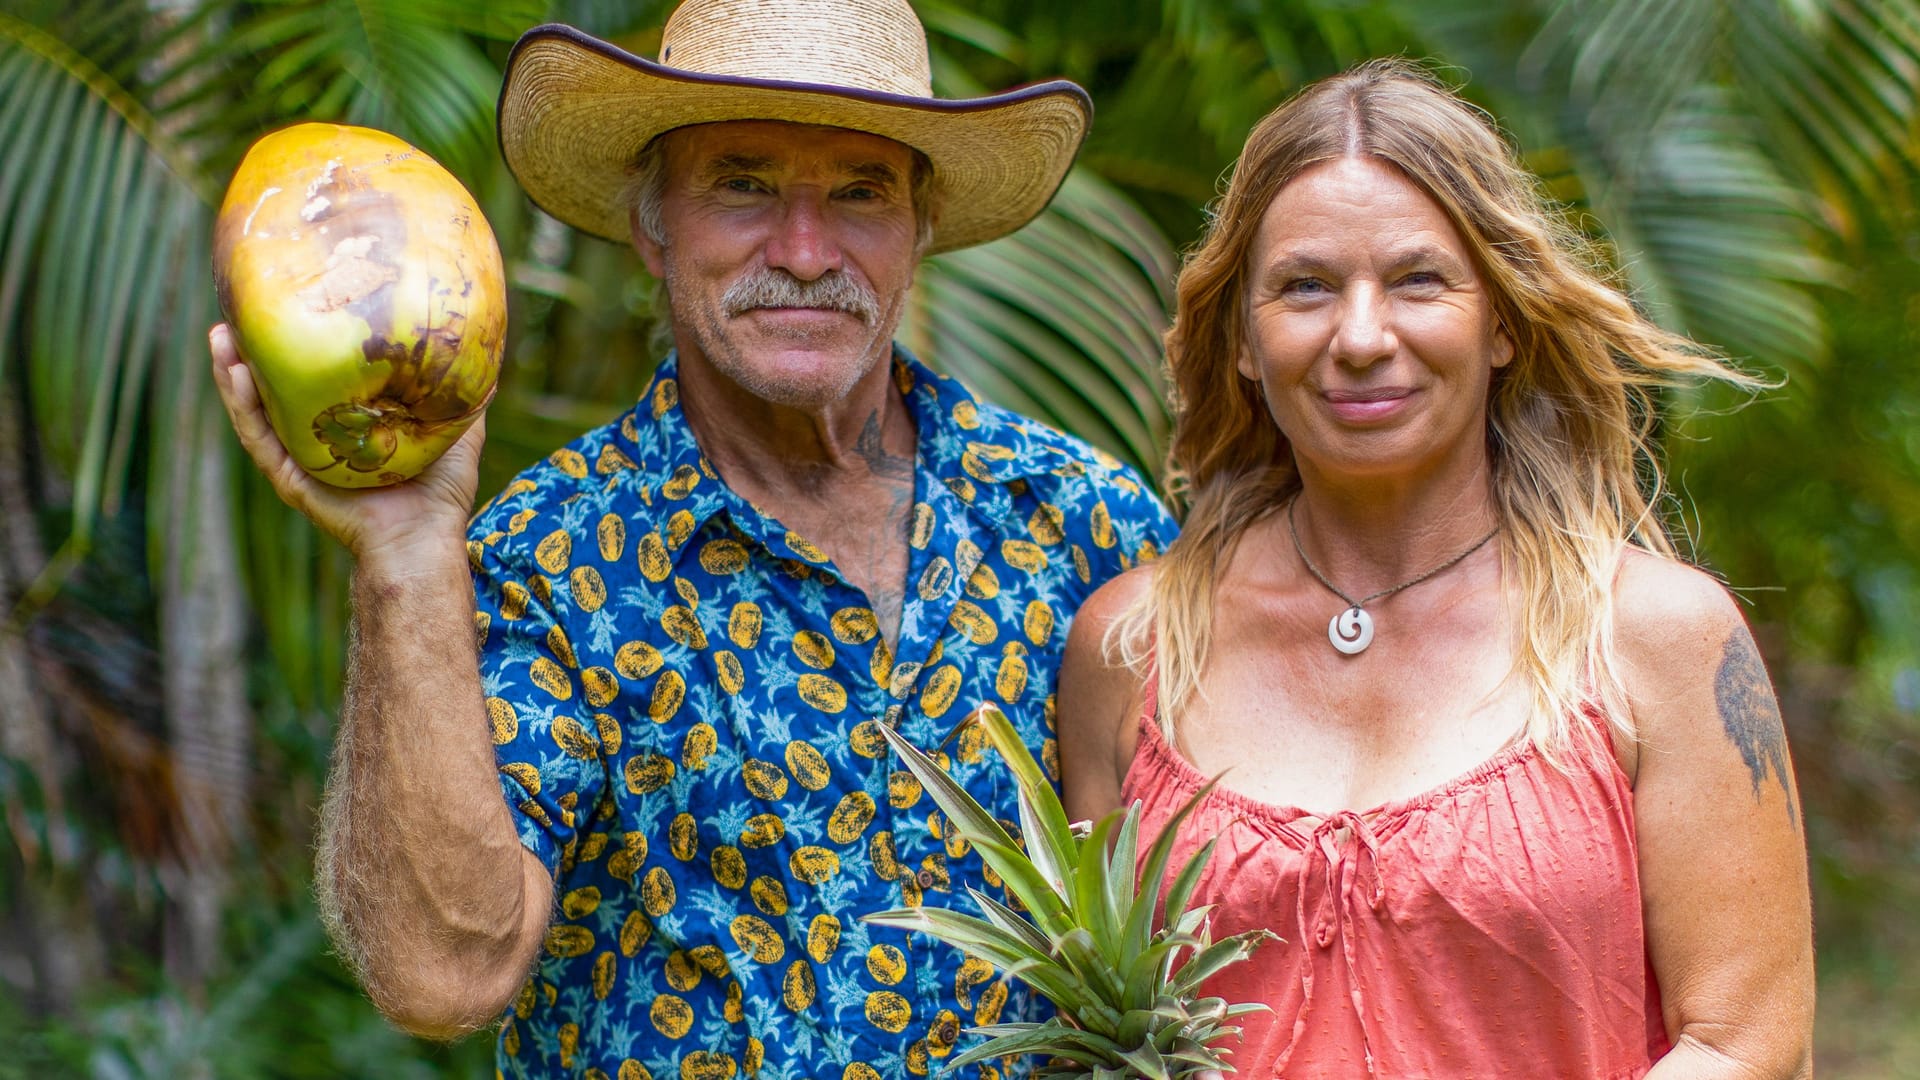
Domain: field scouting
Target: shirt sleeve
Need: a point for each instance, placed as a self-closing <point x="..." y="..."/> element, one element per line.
<point x="546" y="738"/>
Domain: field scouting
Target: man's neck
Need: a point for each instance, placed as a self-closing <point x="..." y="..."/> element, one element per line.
<point x="773" y="453"/>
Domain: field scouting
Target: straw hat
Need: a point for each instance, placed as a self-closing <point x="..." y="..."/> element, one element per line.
<point x="575" y="110"/>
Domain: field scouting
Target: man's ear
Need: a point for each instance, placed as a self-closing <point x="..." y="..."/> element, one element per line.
<point x="650" y="251"/>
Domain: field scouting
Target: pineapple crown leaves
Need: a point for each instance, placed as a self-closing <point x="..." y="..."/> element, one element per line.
<point x="1123" y="983"/>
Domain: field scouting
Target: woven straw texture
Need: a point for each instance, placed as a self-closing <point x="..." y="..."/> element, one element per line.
<point x="575" y="111"/>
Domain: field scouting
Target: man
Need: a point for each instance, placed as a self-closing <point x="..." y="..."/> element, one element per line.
<point x="690" y="623"/>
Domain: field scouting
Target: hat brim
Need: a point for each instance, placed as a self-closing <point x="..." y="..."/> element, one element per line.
<point x="575" y="111"/>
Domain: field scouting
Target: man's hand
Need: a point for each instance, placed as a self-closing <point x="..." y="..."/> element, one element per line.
<point x="371" y="523"/>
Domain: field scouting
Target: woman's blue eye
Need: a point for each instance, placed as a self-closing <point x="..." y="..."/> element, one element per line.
<point x="1307" y="285"/>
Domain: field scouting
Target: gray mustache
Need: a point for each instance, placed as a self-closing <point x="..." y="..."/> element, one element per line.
<point x="831" y="291"/>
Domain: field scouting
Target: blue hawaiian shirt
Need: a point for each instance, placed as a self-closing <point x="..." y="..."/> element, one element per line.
<point x="686" y="698"/>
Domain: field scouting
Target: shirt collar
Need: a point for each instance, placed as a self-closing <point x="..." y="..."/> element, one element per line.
<point x="962" y="442"/>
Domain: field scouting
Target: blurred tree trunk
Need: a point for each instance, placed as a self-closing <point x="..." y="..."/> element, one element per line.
<point x="203" y="665"/>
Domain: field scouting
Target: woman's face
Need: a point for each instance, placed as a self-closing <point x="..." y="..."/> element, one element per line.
<point x="1369" y="329"/>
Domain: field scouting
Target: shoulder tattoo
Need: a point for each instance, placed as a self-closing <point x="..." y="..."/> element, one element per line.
<point x="1750" y="713"/>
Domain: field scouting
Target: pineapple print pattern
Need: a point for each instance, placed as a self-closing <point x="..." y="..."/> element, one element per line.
<point x="686" y="703"/>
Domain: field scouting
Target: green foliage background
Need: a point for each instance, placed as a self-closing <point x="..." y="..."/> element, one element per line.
<point x="170" y="636"/>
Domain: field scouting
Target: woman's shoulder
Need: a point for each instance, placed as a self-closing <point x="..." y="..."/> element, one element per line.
<point x="1674" y="625"/>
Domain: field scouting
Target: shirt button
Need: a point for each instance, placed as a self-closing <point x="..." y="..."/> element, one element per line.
<point x="925" y="878"/>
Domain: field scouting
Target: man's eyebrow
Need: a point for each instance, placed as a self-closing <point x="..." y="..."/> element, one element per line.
<point x="878" y="172"/>
<point x="734" y="163"/>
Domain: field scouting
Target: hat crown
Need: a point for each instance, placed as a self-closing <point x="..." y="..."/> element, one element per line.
<point x="874" y="45"/>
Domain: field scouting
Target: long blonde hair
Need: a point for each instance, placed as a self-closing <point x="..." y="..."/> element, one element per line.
<point x="1571" y="421"/>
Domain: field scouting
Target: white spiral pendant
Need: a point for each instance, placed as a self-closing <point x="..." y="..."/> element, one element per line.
<point x="1351" y="631"/>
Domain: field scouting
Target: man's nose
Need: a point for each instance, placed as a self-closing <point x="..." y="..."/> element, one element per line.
<point x="1365" y="334"/>
<point x="802" y="241"/>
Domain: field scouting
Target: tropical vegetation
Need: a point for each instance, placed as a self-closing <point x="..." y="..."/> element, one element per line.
<point x="171" y="636"/>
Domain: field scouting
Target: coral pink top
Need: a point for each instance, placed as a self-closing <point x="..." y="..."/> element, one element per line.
<point x="1490" y="927"/>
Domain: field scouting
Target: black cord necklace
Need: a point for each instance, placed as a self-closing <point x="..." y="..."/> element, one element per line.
<point x="1351" y="631"/>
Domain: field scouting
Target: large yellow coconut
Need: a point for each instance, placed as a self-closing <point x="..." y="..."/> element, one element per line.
<point x="367" y="294"/>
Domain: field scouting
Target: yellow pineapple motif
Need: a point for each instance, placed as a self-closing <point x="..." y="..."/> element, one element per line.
<point x="854" y="625"/>
<point x="710" y="958"/>
<point x="541" y="588"/>
<point x="733" y="677"/>
<point x="808" y="765"/>
<point x="850" y="817"/>
<point x="723" y="556"/>
<point x="921" y="530"/>
<point x="743" y="625"/>
<point x="574" y="739"/>
<point x="566" y="941"/>
<point x="683" y="837"/>
<point x="983" y="583"/>
<point x="1024" y="555"/>
<point x="651" y="552"/>
<point x="513" y="601"/>
<point x="813" y="865"/>
<point x="609" y="731"/>
<point x="756" y="1056"/>
<point x="823" y="937"/>
<point x="510" y="1040"/>
<point x="804" y="548"/>
<point x="579" y="903"/>
<point x="1082" y="568"/>
<point x="942" y="689"/>
<point x="992" y="1000"/>
<point x="523" y="1001"/>
<point x="657" y="892"/>
<point x="611" y="534"/>
<point x="593" y="846"/>
<point x="671" y="1016"/>
<point x="683" y="626"/>
<point x="611" y="460"/>
<point x="763" y="830"/>
<point x="860" y="1070"/>
<point x="517" y="524"/>
<point x="555" y="552"/>
<point x="1047" y="525"/>
<point x="757" y="938"/>
<point x="1038" y="623"/>
<point x="633" y="1070"/>
<point x="972" y="620"/>
<point x="569" y="462"/>
<point x="886" y="964"/>
<point x="589" y="588"/>
<point x="973" y="972"/>
<point x="880" y="855"/>
<point x="865" y="739"/>
<point x="550" y="677"/>
<point x="1011" y="681"/>
<point x="918" y="1063"/>
<point x="700" y="743"/>
<point x="637" y="660"/>
<point x="524" y="774"/>
<point x="627" y="861"/>
<point x="647" y="773"/>
<point x="681" y="483"/>
<point x="734" y="1008"/>
<point x="505" y="722"/>
<point x="666" y="394"/>
<point x="966" y="415"/>
<point x="560" y="647"/>
<point x="943" y="1033"/>
<point x="797" y="987"/>
<point x="822" y="693"/>
<point x="880" y="663"/>
<point x="681" y="971"/>
<point x="669" y="690"/>
<point x="769" y="895"/>
<point x="634" y="933"/>
<point x="813" y="649"/>
<point x="679" y="527"/>
<point x="903" y="789"/>
<point x="482" y="622"/>
<point x="889" y="1011"/>
<point x="604" y="967"/>
<point x="729" y="866"/>
<point x="707" y="1065"/>
<point x="763" y="779"/>
<point x="935" y="579"/>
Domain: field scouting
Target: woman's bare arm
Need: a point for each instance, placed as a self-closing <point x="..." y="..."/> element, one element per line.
<point x="1097" y="703"/>
<point x="1723" y="866"/>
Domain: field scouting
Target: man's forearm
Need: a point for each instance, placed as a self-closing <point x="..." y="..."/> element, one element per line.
<point x="422" y="880"/>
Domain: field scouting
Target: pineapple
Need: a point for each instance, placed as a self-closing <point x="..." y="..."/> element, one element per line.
<point x="1123" y="983"/>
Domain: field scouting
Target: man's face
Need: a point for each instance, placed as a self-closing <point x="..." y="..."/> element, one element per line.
<point x="788" y="253"/>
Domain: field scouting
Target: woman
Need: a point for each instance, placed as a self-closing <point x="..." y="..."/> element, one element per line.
<point x="1506" y="774"/>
